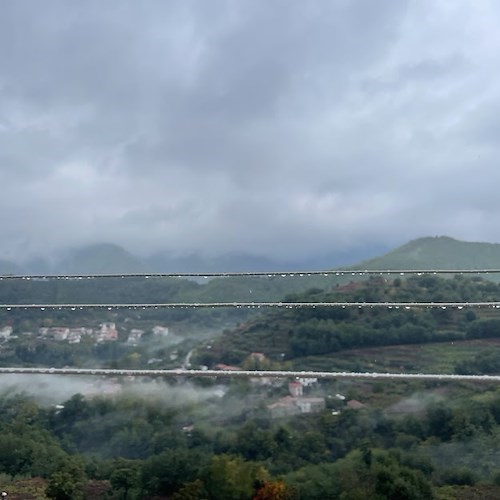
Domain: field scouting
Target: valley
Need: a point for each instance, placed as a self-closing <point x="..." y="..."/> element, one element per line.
<point x="294" y="438"/>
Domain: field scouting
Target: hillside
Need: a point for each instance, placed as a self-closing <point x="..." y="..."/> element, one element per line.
<point x="200" y="432"/>
<point x="301" y="335"/>
<point x="439" y="252"/>
<point x="424" y="253"/>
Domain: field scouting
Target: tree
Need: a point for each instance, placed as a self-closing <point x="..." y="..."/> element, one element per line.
<point x="165" y="473"/>
<point x="439" y="421"/>
<point x="274" y="490"/>
<point x="232" y="478"/>
<point x="254" y="443"/>
<point x="125" y="478"/>
<point x="67" y="482"/>
<point x="195" y="490"/>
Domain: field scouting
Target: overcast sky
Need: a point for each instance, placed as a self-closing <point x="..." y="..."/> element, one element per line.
<point x="278" y="127"/>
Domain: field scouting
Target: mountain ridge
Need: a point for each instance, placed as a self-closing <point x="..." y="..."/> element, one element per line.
<point x="105" y="258"/>
<point x="437" y="252"/>
<point x="429" y="252"/>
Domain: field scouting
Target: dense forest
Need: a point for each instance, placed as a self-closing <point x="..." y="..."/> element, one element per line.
<point x="135" y="447"/>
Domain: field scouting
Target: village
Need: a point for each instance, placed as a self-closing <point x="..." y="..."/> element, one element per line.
<point x="105" y="332"/>
<point x="303" y="395"/>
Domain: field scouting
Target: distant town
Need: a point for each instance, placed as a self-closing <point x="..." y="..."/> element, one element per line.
<point x="304" y="396"/>
<point x="106" y="332"/>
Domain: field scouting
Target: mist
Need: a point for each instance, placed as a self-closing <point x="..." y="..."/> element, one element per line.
<point x="49" y="390"/>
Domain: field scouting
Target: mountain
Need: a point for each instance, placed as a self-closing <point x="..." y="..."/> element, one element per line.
<point x="111" y="258"/>
<point x="245" y="262"/>
<point x="424" y="253"/>
<point x="101" y="258"/>
<point x="196" y="263"/>
<point x="440" y="252"/>
<point x="8" y="267"/>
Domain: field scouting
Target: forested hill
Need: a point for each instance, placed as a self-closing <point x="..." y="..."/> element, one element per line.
<point x="424" y="253"/>
<point x="304" y="332"/>
<point x="439" y="252"/>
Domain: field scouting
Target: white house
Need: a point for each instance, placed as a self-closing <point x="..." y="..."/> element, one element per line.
<point x="160" y="330"/>
<point x="5" y="332"/>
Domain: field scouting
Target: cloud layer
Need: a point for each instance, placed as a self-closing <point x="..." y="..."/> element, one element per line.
<point x="287" y="129"/>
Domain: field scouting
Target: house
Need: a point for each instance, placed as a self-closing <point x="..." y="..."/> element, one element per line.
<point x="222" y="366"/>
<point x="75" y="334"/>
<point x="80" y="331"/>
<point x="59" y="333"/>
<point x="107" y="332"/>
<point x="295" y="389"/>
<point x="310" y="405"/>
<point x="5" y="332"/>
<point x="266" y="381"/>
<point x="135" y="336"/>
<point x="43" y="331"/>
<point x="161" y="331"/>
<point x="107" y="327"/>
<point x="289" y="406"/>
<point x="74" y="337"/>
<point x="284" y="407"/>
<point x="307" y="382"/>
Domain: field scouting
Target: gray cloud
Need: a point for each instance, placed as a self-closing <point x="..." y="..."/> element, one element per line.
<point x="287" y="129"/>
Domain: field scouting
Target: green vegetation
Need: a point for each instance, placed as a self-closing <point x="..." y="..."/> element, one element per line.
<point x="303" y="336"/>
<point x="159" y="290"/>
<point x="438" y="253"/>
<point x="139" y="447"/>
<point x="215" y="439"/>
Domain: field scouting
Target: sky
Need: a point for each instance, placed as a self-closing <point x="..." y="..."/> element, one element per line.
<point x="280" y="128"/>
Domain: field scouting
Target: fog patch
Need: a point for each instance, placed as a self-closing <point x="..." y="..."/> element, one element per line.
<point x="417" y="403"/>
<point x="49" y="390"/>
<point x="45" y="389"/>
